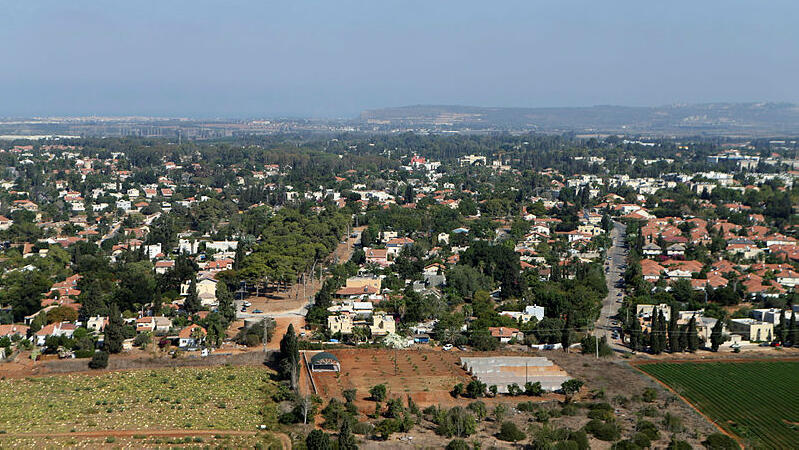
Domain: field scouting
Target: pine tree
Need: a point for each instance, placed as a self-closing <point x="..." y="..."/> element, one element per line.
<point x="114" y="332"/>
<point x="716" y="337"/>
<point x="192" y="302"/>
<point x="346" y="441"/>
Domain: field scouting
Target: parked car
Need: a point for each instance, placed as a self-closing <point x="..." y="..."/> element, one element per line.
<point x="447" y="347"/>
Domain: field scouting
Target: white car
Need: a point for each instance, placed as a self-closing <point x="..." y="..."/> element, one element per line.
<point x="447" y="347"/>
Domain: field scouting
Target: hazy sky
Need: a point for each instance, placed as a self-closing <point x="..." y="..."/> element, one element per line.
<point x="334" y="58"/>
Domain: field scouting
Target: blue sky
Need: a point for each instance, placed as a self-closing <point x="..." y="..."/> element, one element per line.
<point x="336" y="58"/>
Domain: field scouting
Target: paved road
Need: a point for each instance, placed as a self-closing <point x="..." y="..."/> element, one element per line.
<point x="616" y="257"/>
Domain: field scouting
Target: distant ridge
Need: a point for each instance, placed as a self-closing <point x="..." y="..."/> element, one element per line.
<point x="709" y="118"/>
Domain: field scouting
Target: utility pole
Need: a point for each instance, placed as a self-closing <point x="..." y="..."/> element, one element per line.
<point x="264" y="337"/>
<point x="596" y="339"/>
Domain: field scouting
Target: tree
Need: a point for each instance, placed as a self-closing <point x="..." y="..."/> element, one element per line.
<point x="479" y="409"/>
<point x="500" y="411"/>
<point x="346" y="441"/>
<point x="99" y="360"/>
<point x="674" y="332"/>
<point x="716" y="337"/>
<point x="350" y="395"/>
<point x="114" y="331"/>
<point x="158" y="301"/>
<point x="290" y="357"/>
<point x="62" y="314"/>
<point x="510" y="432"/>
<point x="693" y="336"/>
<point x="566" y="334"/>
<point x="378" y="392"/>
<point x="225" y="300"/>
<point x="571" y="387"/>
<point x="475" y="389"/>
<point x="192" y="302"/>
<point x="533" y="389"/>
<point x="318" y="440"/>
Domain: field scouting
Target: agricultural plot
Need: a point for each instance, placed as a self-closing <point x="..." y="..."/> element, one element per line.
<point x="426" y="375"/>
<point x="220" y="398"/>
<point x="756" y="401"/>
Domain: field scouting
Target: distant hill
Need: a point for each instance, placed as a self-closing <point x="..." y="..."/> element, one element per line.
<point x="752" y="119"/>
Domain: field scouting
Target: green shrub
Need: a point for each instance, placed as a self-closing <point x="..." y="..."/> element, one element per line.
<point x="641" y="440"/>
<point x="99" y="360"/>
<point x="458" y="444"/>
<point x="510" y="432"/>
<point x="720" y="441"/>
<point x="542" y="415"/>
<point x="649" y="395"/>
<point x="526" y="406"/>
<point x="677" y="444"/>
<point x="363" y="428"/>
<point x="626" y="444"/>
<point x="569" y="410"/>
<point x="648" y="429"/>
<point x="602" y="430"/>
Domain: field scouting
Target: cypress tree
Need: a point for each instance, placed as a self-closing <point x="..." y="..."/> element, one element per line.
<point x="239" y="258"/>
<point x="157" y="302"/>
<point x="565" y="335"/>
<point x="290" y="356"/>
<point x="661" y="334"/>
<point x="683" y="338"/>
<point x="225" y="300"/>
<point x="693" y="336"/>
<point x="192" y="302"/>
<point x="716" y="338"/>
<point x="114" y="332"/>
<point x="674" y="333"/>
<point x="794" y="331"/>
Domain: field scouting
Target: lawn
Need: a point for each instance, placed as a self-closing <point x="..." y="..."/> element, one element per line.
<point x="223" y="398"/>
<point x="756" y="401"/>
